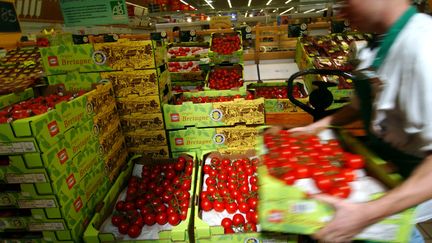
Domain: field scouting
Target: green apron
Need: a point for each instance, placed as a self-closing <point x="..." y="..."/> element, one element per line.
<point x="404" y="162"/>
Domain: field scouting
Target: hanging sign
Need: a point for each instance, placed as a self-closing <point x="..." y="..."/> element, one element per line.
<point x="8" y="18"/>
<point x="95" y="12"/>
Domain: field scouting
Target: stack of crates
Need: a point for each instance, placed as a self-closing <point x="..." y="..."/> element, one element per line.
<point x="53" y="170"/>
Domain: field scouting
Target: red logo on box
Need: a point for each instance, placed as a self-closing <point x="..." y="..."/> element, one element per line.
<point x="70" y="181"/>
<point x="62" y="156"/>
<point x="175" y="117"/>
<point x="78" y="204"/>
<point x="275" y="216"/>
<point x="53" y="128"/>
<point x="53" y="61"/>
<point x="179" y="141"/>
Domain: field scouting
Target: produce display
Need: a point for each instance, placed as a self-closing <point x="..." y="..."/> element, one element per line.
<point x="290" y="158"/>
<point x="175" y="52"/>
<point x="223" y="78"/>
<point x="209" y="99"/>
<point x="225" y="44"/>
<point x="158" y="199"/>
<point x="34" y="106"/>
<point x="190" y="66"/>
<point x="230" y="193"/>
<point x="295" y="166"/>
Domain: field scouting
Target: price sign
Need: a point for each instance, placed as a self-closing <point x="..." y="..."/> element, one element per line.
<point x="8" y="18"/>
<point x="297" y="30"/>
<point x="187" y="36"/>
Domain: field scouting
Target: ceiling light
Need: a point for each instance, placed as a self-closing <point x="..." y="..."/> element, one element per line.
<point x="310" y="10"/>
<point x="321" y="10"/>
<point x="208" y="18"/>
<point x="246" y="14"/>
<point x="262" y="10"/>
<point x="188" y="4"/>
<point x="286" y="11"/>
<point x="188" y="19"/>
<point x="209" y="3"/>
<point x="249" y="3"/>
<point x="288" y="1"/>
<point x="251" y="15"/>
<point x="274" y="11"/>
<point x="269" y="1"/>
<point x="229" y="3"/>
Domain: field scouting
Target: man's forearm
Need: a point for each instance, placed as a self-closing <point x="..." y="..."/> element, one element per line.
<point x="345" y="116"/>
<point x="415" y="190"/>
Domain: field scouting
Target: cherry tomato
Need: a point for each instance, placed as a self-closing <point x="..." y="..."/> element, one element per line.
<point x="123" y="228"/>
<point x="161" y="218"/>
<point x="173" y="219"/>
<point x="226" y="223"/>
<point x="353" y="161"/>
<point x="134" y="231"/>
<point x="116" y="220"/>
<point x="238" y="219"/>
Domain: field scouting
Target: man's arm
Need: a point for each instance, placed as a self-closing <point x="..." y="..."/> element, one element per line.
<point x="351" y="218"/>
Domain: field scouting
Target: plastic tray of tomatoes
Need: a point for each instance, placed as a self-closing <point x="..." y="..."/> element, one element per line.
<point x="295" y="166"/>
<point x="151" y="200"/>
<point x="227" y="192"/>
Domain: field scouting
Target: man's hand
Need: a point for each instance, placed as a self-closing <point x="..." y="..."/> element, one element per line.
<point x="349" y="220"/>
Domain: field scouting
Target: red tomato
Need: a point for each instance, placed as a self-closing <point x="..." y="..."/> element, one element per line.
<point x="249" y="227"/>
<point x="218" y="206"/>
<point x="229" y="230"/>
<point x="206" y="205"/>
<point x="123" y="228"/>
<point x="226" y="223"/>
<point x="252" y="217"/>
<point x="353" y="161"/>
<point x="173" y="219"/>
<point x="161" y="218"/>
<point x="231" y="207"/>
<point x="238" y="219"/>
<point x="243" y="207"/>
<point x="341" y="190"/>
<point x="116" y="220"/>
<point x="149" y="219"/>
<point x="324" y="183"/>
<point x="252" y="202"/>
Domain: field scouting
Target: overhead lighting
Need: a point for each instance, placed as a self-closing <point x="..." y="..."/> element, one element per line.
<point x="229" y="3"/>
<point x="274" y="11"/>
<point x="251" y="15"/>
<point x="262" y="10"/>
<point x="249" y="3"/>
<point x="246" y="14"/>
<point x="286" y="11"/>
<point x="310" y="10"/>
<point x="321" y="10"/>
<point x="269" y="1"/>
<point x="288" y="1"/>
<point x="209" y="3"/>
<point x="189" y="19"/>
<point x="188" y="4"/>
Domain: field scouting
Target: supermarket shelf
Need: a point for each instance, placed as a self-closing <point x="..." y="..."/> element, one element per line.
<point x="276" y="55"/>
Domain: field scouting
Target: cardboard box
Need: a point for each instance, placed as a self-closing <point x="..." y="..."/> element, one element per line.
<point x="203" y="232"/>
<point x="137" y="82"/>
<point x="94" y="232"/>
<point x="239" y="111"/>
<point x="10" y="99"/>
<point x="149" y="138"/>
<point x="152" y="152"/>
<point x="138" y="105"/>
<point x="142" y="122"/>
<point x="238" y="137"/>
<point x="289" y="210"/>
<point x="235" y="57"/>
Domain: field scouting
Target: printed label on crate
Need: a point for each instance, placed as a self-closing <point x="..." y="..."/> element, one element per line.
<point x="55" y="226"/>
<point x="62" y="156"/>
<point x="37" y="203"/>
<point x="6" y="199"/>
<point x="17" y="147"/>
<point x="53" y="128"/>
<point x="25" y="178"/>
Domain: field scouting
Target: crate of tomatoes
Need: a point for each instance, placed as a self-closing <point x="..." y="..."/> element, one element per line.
<point x="227" y="200"/>
<point x="151" y="200"/>
<point x="292" y="167"/>
<point x="226" y="48"/>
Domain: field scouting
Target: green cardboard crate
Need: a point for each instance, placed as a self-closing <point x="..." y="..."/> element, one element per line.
<point x="203" y="232"/>
<point x="239" y="67"/>
<point x="14" y="219"/>
<point x="76" y="80"/>
<point x="179" y="233"/>
<point x="275" y="214"/>
<point x="55" y="230"/>
<point x="235" y="57"/>
<point x="229" y="113"/>
<point x="10" y="99"/>
<point x="238" y="137"/>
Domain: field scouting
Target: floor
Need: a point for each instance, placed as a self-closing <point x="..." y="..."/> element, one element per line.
<point x="426" y="230"/>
